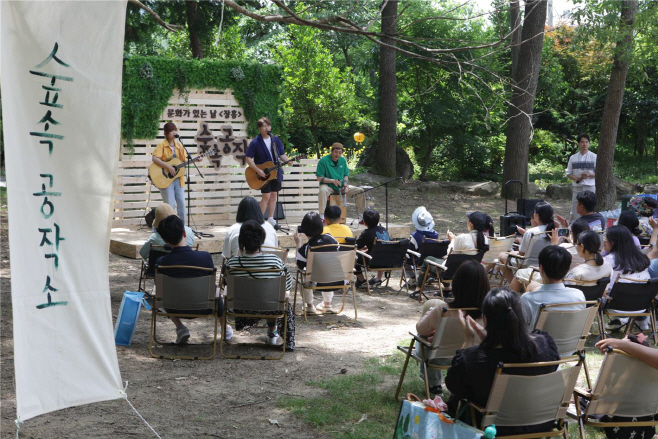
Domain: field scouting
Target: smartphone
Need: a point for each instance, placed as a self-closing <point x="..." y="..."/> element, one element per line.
<point x="299" y="229"/>
<point x="563" y="231"/>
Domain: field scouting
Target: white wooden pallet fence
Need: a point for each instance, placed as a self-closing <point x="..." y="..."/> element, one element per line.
<point x="215" y="197"/>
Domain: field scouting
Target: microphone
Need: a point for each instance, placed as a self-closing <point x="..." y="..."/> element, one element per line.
<point x="177" y="136"/>
<point x="269" y="133"/>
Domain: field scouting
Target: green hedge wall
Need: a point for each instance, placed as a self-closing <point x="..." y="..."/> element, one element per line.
<point x="149" y="82"/>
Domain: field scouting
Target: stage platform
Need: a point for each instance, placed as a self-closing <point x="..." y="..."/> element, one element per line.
<point x="126" y="241"/>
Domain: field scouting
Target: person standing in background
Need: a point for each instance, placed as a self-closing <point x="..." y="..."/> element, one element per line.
<point x="581" y="169"/>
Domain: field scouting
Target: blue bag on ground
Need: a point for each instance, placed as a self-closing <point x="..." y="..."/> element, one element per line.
<point x="127" y="318"/>
<point x="417" y="422"/>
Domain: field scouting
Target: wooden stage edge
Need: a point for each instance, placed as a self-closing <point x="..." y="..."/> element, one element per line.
<point x="126" y="241"/>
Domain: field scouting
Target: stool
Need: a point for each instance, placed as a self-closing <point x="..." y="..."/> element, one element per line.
<point x="338" y="200"/>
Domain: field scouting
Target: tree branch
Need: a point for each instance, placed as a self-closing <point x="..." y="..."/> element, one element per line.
<point x="169" y="27"/>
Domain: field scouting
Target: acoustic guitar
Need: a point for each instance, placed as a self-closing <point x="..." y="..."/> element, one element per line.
<point x="271" y="172"/>
<point x="162" y="179"/>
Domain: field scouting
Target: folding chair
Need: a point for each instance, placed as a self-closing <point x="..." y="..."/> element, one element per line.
<point x="436" y="248"/>
<point x="184" y="297"/>
<point x="593" y="290"/>
<point x="147" y="271"/>
<point x="629" y="296"/>
<point x="498" y="245"/>
<point x="625" y="387"/>
<point x="569" y="329"/>
<point x="280" y="252"/>
<point x="448" y="338"/>
<point x="517" y="400"/>
<point x="328" y="270"/>
<point x="246" y="293"/>
<point x="447" y="270"/>
<point x="388" y="256"/>
<point x="536" y="244"/>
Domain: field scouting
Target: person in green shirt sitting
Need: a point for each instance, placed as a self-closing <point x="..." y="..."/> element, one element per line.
<point x="332" y="173"/>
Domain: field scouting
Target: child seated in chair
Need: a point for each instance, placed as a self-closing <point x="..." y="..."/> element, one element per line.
<point x="252" y="237"/>
<point x="312" y="227"/>
<point x="365" y="242"/>
<point x="333" y="226"/>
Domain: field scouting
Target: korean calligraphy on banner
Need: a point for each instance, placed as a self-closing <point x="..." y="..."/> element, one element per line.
<point x="61" y="102"/>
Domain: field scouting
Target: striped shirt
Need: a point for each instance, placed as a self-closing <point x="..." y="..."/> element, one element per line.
<point x="259" y="261"/>
<point x="579" y="164"/>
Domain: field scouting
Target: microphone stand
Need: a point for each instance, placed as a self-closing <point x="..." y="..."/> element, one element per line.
<point x="385" y="184"/>
<point x="277" y="226"/>
<point x="189" y="200"/>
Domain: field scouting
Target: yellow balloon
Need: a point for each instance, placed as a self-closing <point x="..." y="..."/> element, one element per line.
<point x="359" y="137"/>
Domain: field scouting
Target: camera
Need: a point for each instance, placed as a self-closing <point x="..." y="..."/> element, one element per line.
<point x="299" y="229"/>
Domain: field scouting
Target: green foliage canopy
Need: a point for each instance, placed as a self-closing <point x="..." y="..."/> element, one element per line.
<point x="149" y="83"/>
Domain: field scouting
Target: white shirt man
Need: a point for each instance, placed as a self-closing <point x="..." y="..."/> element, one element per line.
<point x="581" y="169"/>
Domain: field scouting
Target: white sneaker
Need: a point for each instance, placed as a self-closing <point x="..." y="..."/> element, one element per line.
<point x="182" y="335"/>
<point x="271" y="221"/>
<point x="273" y="339"/>
<point x="229" y="333"/>
<point x="325" y="309"/>
<point x="643" y="324"/>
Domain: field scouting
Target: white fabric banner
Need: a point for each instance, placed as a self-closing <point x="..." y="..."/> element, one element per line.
<point x="61" y="105"/>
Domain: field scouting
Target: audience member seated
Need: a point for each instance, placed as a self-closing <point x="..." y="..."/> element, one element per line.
<point x="424" y="225"/>
<point x="469" y="286"/>
<point x="543" y="217"/>
<point x="505" y="339"/>
<point x="522" y="276"/>
<point x="172" y="231"/>
<point x="630" y="220"/>
<point x="312" y="227"/>
<point x="161" y="212"/>
<point x="628" y="262"/>
<point x="333" y="226"/>
<point x="585" y="205"/>
<point x="470" y="243"/>
<point x="653" y="253"/>
<point x="364" y="243"/>
<point x="251" y="238"/>
<point x="554" y="263"/>
<point x="248" y="209"/>
<point x="594" y="267"/>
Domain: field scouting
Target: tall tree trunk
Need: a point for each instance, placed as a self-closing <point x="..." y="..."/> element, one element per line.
<point x="526" y="75"/>
<point x="388" y="90"/>
<point x="605" y="182"/>
<point x="193" y="18"/>
<point x="515" y="21"/>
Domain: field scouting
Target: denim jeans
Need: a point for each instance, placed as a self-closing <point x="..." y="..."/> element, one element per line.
<point x="174" y="196"/>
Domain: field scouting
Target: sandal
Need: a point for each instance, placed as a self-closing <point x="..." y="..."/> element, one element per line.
<point x="414" y="295"/>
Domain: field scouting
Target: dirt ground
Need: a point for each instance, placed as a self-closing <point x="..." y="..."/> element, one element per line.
<point x="232" y="398"/>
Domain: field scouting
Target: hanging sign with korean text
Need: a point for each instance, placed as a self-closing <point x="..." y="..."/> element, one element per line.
<point x="61" y="104"/>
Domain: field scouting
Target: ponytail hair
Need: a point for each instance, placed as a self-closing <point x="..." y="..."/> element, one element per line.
<point x="545" y="213"/>
<point x="591" y="243"/>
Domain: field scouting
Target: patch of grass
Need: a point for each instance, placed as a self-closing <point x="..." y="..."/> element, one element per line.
<point x="3" y="196"/>
<point x="349" y="397"/>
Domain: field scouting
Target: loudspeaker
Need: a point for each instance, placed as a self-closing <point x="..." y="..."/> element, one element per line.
<point x="509" y="222"/>
<point x="526" y="207"/>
